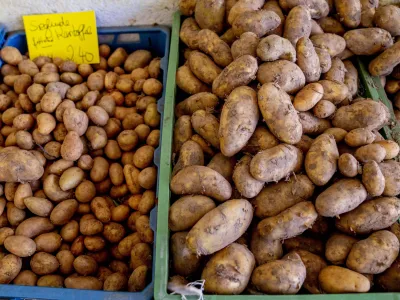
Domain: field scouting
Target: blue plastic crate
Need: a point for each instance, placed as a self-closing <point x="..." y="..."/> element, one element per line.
<point x="2" y="38"/>
<point x="157" y="40"/>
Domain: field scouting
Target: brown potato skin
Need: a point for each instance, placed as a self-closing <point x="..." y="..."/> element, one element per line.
<point x="203" y="67"/>
<point x="373" y="179"/>
<point x="259" y="22"/>
<point x="83" y="282"/>
<point x="203" y="242"/>
<point x="210" y="14"/>
<point x="372" y="215"/>
<point x="368" y="41"/>
<point x="247" y="186"/>
<point x="284" y="276"/>
<point x="246" y="44"/>
<point x="307" y="59"/>
<point x="182" y="132"/>
<point x="389" y="280"/>
<point x="188" y="82"/>
<point x="237" y="280"/>
<point x="338" y="248"/>
<point x="297" y="24"/>
<point x="391" y="171"/>
<point x="184" y="262"/>
<point x="188" y="33"/>
<point x="289" y="223"/>
<point x="10" y="266"/>
<point x="261" y="139"/>
<point x="223" y="165"/>
<point x="210" y="43"/>
<point x="387" y="17"/>
<point x="206" y="125"/>
<point x="199" y="101"/>
<point x="333" y="43"/>
<point x="348" y="165"/>
<point x="26" y="277"/>
<point x="369" y="152"/>
<point x="384" y="64"/>
<point x="275" y="198"/>
<point x="374" y="254"/>
<point x="349" y="12"/>
<point x="264" y="250"/>
<point x="331" y="281"/>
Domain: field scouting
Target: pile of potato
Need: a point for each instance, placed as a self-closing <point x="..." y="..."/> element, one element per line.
<point x="77" y="147"/>
<point x="282" y="181"/>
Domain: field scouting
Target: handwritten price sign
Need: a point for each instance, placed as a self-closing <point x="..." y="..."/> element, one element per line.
<point x="70" y="36"/>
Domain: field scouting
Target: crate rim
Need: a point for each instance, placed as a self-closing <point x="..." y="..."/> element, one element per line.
<point x="162" y="239"/>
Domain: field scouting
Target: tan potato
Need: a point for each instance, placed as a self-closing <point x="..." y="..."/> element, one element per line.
<point x="138" y="279"/>
<point x="315" y="28"/>
<point x="247" y="186"/>
<point x="391" y="171"/>
<point x="349" y="12"/>
<point x="331" y="25"/>
<point x="207" y="126"/>
<point x="184" y="262"/>
<point x="10" y="266"/>
<point x="199" y="101"/>
<point x="83" y="282"/>
<point x="372" y="215"/>
<point x="72" y="146"/>
<point x="265" y="250"/>
<point x="131" y="174"/>
<point x="100" y="169"/>
<point x="261" y="139"/>
<point x="189" y="33"/>
<point x="334" y="91"/>
<point x="203" y="67"/>
<point x="4" y="233"/>
<point x="53" y="190"/>
<point x="259" y="22"/>
<point x="137" y="59"/>
<point x="48" y="242"/>
<point x="368" y="9"/>
<point x="182" y="132"/>
<point x="331" y="281"/>
<point x="245" y="45"/>
<point x="126" y="244"/>
<point x="373" y="179"/>
<point x="43" y="263"/>
<point x="274" y="47"/>
<point x="90" y="226"/>
<point x="348" y="165"/>
<point x="238" y="73"/>
<point x="324" y="109"/>
<point x="303" y="242"/>
<point x="373" y="152"/>
<point x="389" y="279"/>
<point x="307" y="59"/>
<point x="85" y="265"/>
<point x="308" y="97"/>
<point x="77" y="92"/>
<point x="70" y="231"/>
<point x="115" y="282"/>
<point x="39" y="206"/>
<point x="274" y="6"/>
<point x="71" y="178"/>
<point x="188" y="82"/>
<point x="190" y="154"/>
<point x="289" y="223"/>
<point x="337" y="71"/>
<point x="21" y="246"/>
<point x="284" y="276"/>
<point x="374" y="254"/>
<point x="368" y="41"/>
<point x="333" y="43"/>
<point x="11" y="55"/>
<point x="34" y="226"/>
<point x="210" y="14"/>
<point x="269" y="72"/>
<point x="210" y="43"/>
<point x="26" y="277"/>
<point x="324" y="58"/>
<point x="56" y="281"/>
<point x="236" y="282"/>
<point x="101" y="209"/>
<point x="63" y="212"/>
<point x="386" y="17"/>
<point x="384" y="64"/>
<point x="391" y="147"/>
<point x="338" y="248"/>
<point x="15" y="215"/>
<point x="275" y="198"/>
<point x="359" y="137"/>
<point x="243" y="6"/>
<point x="362" y="114"/>
<point x="297" y="24"/>
<point x="204" y="242"/>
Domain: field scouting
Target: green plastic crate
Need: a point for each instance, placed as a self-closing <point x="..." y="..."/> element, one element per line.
<point x="163" y="234"/>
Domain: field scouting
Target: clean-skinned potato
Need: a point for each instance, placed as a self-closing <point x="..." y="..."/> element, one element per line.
<point x="48" y="242"/>
<point x="289" y="223"/>
<point x="83" y="282"/>
<point x="331" y="281"/>
<point x="203" y="241"/>
<point x="20" y="245"/>
<point x="26" y="277"/>
<point x="372" y="215"/>
<point x="341" y="197"/>
<point x="52" y="189"/>
<point x="63" y="212"/>
<point x="71" y="178"/>
<point x="34" y="226"/>
<point x="43" y="263"/>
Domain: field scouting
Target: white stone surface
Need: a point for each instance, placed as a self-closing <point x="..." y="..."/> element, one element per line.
<point x="108" y="12"/>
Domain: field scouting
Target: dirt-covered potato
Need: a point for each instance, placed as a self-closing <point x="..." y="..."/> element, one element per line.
<point x="384" y="63"/>
<point x="236" y="280"/>
<point x="203" y="241"/>
<point x="338" y="247"/>
<point x="372" y="215"/>
<point x="279" y="114"/>
<point x="289" y="223"/>
<point x="391" y="171"/>
<point x="274" y="6"/>
<point x="203" y="67"/>
<point x="261" y="139"/>
<point x="389" y="280"/>
<point x="210" y="43"/>
<point x="368" y="41"/>
<point x="349" y="12"/>
<point x="10" y="266"/>
<point x="373" y="179"/>
<point x="284" y="276"/>
<point x="308" y="97"/>
<point x="247" y="186"/>
<point x="274" y="47"/>
<point x="324" y="109"/>
<point x="297" y="24"/>
<point x="182" y="132"/>
<point x="331" y="281"/>
<point x="391" y="147"/>
<point x="359" y="137"/>
<point x="307" y="59"/>
<point x="245" y="45"/>
<point x="375" y="254"/>
<point x="387" y="17"/>
<point x="259" y="22"/>
<point x="199" y="101"/>
<point x="207" y="125"/>
<point x="333" y="43"/>
<point x="188" y="82"/>
<point x="223" y="165"/>
<point x="19" y="166"/>
<point x="348" y="165"/>
<point x="369" y="152"/>
<point x="239" y="118"/>
<point x="189" y="33"/>
<point x="210" y="14"/>
<point x="265" y="250"/>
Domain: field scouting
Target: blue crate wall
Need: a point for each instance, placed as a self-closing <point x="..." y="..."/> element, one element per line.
<point x="156" y="39"/>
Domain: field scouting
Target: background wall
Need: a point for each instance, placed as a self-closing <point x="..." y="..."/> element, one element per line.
<point x="108" y="12"/>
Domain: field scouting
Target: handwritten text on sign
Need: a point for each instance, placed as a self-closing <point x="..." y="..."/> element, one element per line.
<point x="70" y="36"/>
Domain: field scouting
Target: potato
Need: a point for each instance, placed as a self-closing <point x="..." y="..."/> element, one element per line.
<point x="85" y="265"/>
<point x="389" y="279"/>
<point x="204" y="242"/>
<point x="188" y="82"/>
<point x="11" y="55"/>
<point x="265" y="250"/>
<point x="259" y="22"/>
<point x="210" y="14"/>
<point x="341" y="197"/>
<point x="391" y="147"/>
<point x="362" y="114"/>
<point x="333" y="43"/>
<point x="331" y="25"/>
<point x="284" y="276"/>
<point x="137" y="59"/>
<point x="34" y="226"/>
<point x="324" y="109"/>
<point x="72" y="146"/>
<point x="203" y="67"/>
<point x="70" y="231"/>
<point x="274" y="47"/>
<point x="199" y="101"/>
<point x="10" y="266"/>
<point x="245" y="45"/>
<point x="101" y="209"/>
<point x="372" y="215"/>
<point x="386" y="17"/>
<point x="19" y="166"/>
<point x="83" y="282"/>
<point x="276" y="198"/>
<point x="236" y="282"/>
<point x="90" y="226"/>
<point x="48" y="242"/>
<point x="368" y="41"/>
<point x="4" y="233"/>
<point x="190" y="154"/>
<point x="307" y="59"/>
<point x="52" y="189"/>
<point x="71" y="178"/>
<point x="189" y="33"/>
<point x="274" y="6"/>
<point x="115" y="282"/>
<point x="43" y="263"/>
<point x="273" y="102"/>
<point x="383" y="64"/>
<point x="15" y="215"/>
<point x="359" y="137"/>
<point x="391" y="172"/>
<point x="243" y="6"/>
<point x="262" y="139"/>
<point x="182" y="132"/>
<point x="207" y="126"/>
<point x="373" y="179"/>
<point x="26" y="277"/>
<point x="184" y="262"/>
<point x="324" y="58"/>
<point x="349" y="12"/>
<point x="331" y="281"/>
<point x="297" y="24"/>
<point x="63" y="212"/>
<point x="303" y="242"/>
<point x="289" y="223"/>
<point x="131" y="174"/>
<point x="247" y="186"/>
<point x="138" y="279"/>
<point x="238" y="73"/>
<point x="337" y="71"/>
<point x="275" y="163"/>
<point x="308" y="97"/>
<point x="21" y="246"/>
<point x="374" y="254"/>
<point x="370" y="152"/>
<point x="211" y="44"/>
<point x="56" y="281"/>
<point x="338" y="248"/>
<point x="269" y="72"/>
<point x="126" y="244"/>
<point x="348" y="165"/>
<point x="315" y="28"/>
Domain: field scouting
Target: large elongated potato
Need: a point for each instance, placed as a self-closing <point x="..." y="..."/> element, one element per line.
<point x="201" y="180"/>
<point x="371" y="215"/>
<point x="238" y="264"/>
<point x="331" y="280"/>
<point x="273" y="164"/>
<point x="275" y="198"/>
<point x="265" y="250"/>
<point x="349" y="12"/>
<point x="341" y="197"/>
<point x="189" y="33"/>
<point x="321" y="159"/>
<point x="203" y="67"/>
<point x="271" y="72"/>
<point x="190" y="154"/>
<point x="374" y="254"/>
<point x="186" y="211"/>
<point x="207" y="126"/>
<point x="199" y="101"/>
<point x="289" y="223"/>
<point x="384" y="64"/>
<point x="333" y="43"/>
<point x="368" y="41"/>
<point x="297" y="24"/>
<point x="373" y="179"/>
<point x="391" y="171"/>
<point x="338" y="247"/>
<point x="259" y="22"/>
<point x="285" y="276"/>
<point x="239" y="118"/>
<point x="362" y="114"/>
<point x="246" y="184"/>
<point x="220" y="227"/>
<point x="20" y="245"/>
<point x="209" y="14"/>
<point x="240" y="72"/>
<point x="307" y="59"/>
<point x="210" y="43"/>
<point x="279" y="113"/>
